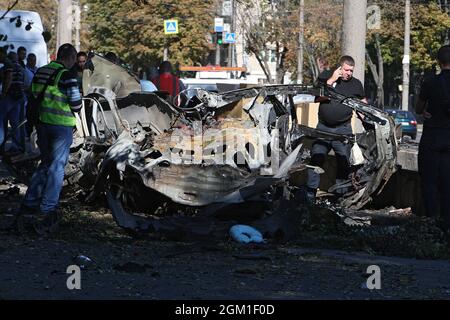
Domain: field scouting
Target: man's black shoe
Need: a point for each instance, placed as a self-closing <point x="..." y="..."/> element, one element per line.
<point x="12" y="153"/>
<point x="22" y="217"/>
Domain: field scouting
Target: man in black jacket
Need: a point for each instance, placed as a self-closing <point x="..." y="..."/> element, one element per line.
<point x="434" y="148"/>
<point x="334" y="117"/>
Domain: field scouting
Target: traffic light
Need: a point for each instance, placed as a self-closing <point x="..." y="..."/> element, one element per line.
<point x="219" y="39"/>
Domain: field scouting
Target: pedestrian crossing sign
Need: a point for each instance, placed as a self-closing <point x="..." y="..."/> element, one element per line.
<point x="230" y="38"/>
<point x="170" y="26"/>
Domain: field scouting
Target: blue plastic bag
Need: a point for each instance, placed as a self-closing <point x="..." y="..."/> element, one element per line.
<point x="245" y="234"/>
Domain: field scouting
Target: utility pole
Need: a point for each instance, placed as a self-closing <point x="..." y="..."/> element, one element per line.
<point x="405" y="88"/>
<point x="231" y="45"/>
<point x="217" y="54"/>
<point x="166" y="53"/>
<point x="300" y="43"/>
<point x="233" y="56"/>
<point x="354" y="34"/>
<point x="65" y="18"/>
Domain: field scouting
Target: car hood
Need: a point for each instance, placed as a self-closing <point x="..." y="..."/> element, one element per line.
<point x="111" y="76"/>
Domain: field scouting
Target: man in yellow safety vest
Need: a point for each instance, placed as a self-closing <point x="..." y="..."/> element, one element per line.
<point x="57" y="98"/>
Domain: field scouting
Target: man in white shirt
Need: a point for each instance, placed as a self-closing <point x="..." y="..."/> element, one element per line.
<point x="30" y="69"/>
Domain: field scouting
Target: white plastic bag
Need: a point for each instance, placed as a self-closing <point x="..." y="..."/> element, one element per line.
<point x="356" y="155"/>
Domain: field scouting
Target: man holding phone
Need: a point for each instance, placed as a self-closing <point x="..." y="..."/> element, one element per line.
<point x="334" y="117"/>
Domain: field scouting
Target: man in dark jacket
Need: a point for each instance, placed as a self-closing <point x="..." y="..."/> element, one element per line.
<point x="434" y="148"/>
<point x="334" y="117"/>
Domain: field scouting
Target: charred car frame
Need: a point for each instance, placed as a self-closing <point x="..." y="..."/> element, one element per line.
<point x="153" y="158"/>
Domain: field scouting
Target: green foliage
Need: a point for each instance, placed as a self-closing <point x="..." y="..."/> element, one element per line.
<point x="429" y="25"/>
<point x="323" y="33"/>
<point x="266" y="28"/>
<point x="135" y="30"/>
<point x="323" y="29"/>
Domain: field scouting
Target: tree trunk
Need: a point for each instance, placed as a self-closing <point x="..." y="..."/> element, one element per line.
<point x="264" y="65"/>
<point x="256" y="49"/>
<point x="281" y="57"/>
<point x="380" y="83"/>
<point x="373" y="71"/>
<point x="312" y="63"/>
<point x="372" y="67"/>
<point x="354" y="34"/>
<point x="377" y="73"/>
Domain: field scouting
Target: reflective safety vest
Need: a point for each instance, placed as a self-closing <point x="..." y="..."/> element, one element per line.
<point x="54" y="108"/>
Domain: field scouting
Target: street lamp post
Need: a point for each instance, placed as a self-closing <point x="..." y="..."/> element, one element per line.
<point x="406" y="58"/>
<point x="300" y="43"/>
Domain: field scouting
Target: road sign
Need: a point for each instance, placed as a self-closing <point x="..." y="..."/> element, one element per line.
<point x="230" y="38"/>
<point x="170" y="26"/>
<point x="218" y="24"/>
<point x="227" y="8"/>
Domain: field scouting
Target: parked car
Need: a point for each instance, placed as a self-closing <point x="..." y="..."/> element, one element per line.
<point x="407" y="120"/>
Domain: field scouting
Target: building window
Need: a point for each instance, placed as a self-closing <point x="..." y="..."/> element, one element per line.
<point x="272" y="56"/>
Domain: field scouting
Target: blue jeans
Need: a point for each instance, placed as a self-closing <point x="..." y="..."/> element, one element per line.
<point x="320" y="149"/>
<point x="46" y="183"/>
<point x="434" y="172"/>
<point x="13" y="111"/>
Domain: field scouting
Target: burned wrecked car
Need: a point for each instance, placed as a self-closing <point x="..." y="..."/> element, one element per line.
<point x="154" y="156"/>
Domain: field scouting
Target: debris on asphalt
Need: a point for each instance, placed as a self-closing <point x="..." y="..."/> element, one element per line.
<point x="82" y="261"/>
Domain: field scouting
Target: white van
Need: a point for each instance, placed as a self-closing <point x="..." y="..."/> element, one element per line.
<point x="19" y="36"/>
<point x="214" y="79"/>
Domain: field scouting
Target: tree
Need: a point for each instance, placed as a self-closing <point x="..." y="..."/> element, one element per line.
<point x="429" y="29"/>
<point x="135" y="30"/>
<point x="429" y="24"/>
<point x="251" y="21"/>
<point x="264" y="25"/>
<point x="323" y="33"/>
<point x="276" y="27"/>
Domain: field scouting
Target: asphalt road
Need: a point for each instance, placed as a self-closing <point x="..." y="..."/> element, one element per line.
<point x="127" y="269"/>
<point x="123" y="267"/>
<point x="419" y="132"/>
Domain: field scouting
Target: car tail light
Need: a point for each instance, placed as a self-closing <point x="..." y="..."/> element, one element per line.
<point x="413" y="122"/>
